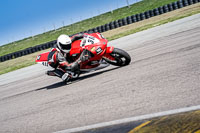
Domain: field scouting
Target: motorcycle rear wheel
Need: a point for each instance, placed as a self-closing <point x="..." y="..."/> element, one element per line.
<point x="122" y="58"/>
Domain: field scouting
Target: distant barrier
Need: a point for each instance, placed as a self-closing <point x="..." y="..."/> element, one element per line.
<point x="27" y="51"/>
<point x="112" y="25"/>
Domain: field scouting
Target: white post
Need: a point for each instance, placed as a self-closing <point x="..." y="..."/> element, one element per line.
<point x="72" y="25"/>
<point x="44" y="29"/>
<point x="63" y="22"/>
<point x="128" y="3"/>
<point x="31" y="34"/>
<point x="54" y="26"/>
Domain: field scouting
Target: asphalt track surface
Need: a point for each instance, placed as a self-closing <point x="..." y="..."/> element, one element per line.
<point x="164" y="74"/>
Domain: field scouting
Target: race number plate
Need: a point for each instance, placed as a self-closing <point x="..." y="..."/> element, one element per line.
<point x="99" y="50"/>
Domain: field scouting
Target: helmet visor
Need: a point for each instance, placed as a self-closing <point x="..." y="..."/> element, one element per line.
<point x="65" y="47"/>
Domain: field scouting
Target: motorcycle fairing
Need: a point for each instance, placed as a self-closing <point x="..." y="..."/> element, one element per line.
<point x="109" y="49"/>
<point x="107" y="55"/>
<point x="99" y="49"/>
<point x="42" y="57"/>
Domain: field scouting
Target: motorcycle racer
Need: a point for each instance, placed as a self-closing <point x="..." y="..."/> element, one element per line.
<point x="59" y="57"/>
<point x="89" y="54"/>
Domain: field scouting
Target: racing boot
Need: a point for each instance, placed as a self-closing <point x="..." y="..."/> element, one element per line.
<point x="66" y="78"/>
<point x="56" y="72"/>
<point x="51" y="73"/>
<point x="59" y="73"/>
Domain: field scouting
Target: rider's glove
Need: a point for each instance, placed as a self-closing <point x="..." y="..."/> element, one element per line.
<point x="85" y="55"/>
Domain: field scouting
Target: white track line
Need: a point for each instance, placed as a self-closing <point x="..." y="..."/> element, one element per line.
<point x="131" y="119"/>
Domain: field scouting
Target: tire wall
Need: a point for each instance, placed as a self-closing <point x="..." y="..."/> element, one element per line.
<point x="109" y="26"/>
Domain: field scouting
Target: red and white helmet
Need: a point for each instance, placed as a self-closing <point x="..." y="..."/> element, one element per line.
<point x="64" y="43"/>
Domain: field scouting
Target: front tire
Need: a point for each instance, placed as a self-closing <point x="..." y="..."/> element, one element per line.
<point x="122" y="58"/>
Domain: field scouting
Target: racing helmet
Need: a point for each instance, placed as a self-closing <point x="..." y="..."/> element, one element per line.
<point x="64" y="43"/>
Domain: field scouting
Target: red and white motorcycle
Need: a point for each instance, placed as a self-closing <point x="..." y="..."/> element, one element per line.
<point x="101" y="54"/>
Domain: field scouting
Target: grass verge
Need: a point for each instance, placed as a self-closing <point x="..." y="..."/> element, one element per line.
<point x="152" y="22"/>
<point x="28" y="60"/>
<point x="18" y="63"/>
<point x="180" y="123"/>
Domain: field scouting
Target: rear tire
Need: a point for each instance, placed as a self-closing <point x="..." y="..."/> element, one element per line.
<point x="122" y="58"/>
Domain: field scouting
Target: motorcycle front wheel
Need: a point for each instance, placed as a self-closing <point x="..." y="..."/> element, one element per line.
<point x="122" y="58"/>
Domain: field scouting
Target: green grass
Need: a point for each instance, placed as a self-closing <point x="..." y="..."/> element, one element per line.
<point x="151" y="25"/>
<point x="18" y="63"/>
<point x="16" y="67"/>
<point x="83" y="25"/>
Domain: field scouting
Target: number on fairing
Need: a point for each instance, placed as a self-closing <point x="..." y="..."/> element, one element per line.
<point x="45" y="63"/>
<point x="88" y="40"/>
<point x="99" y="50"/>
<point x="91" y="40"/>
